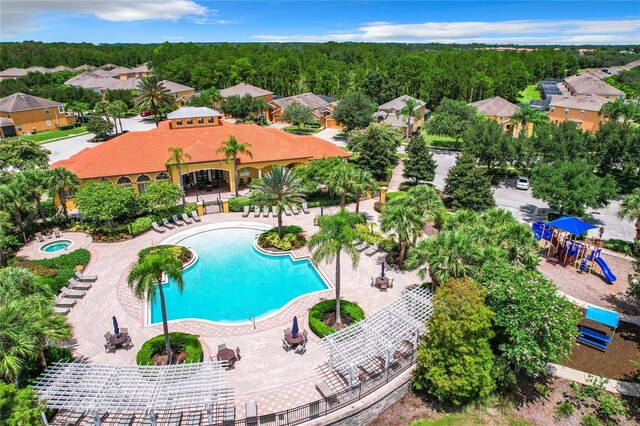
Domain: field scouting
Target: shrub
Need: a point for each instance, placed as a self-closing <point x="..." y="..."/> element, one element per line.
<point x="180" y="253"/>
<point x="393" y="195"/>
<point x="186" y="342"/>
<point x="319" y="310"/>
<point x="292" y="238"/>
<point x="564" y="410"/>
<point x="365" y="233"/>
<point x="65" y="265"/>
<point x="504" y="376"/>
<point x="377" y="206"/>
<point x="66" y="127"/>
<point x="621" y="246"/>
<point x="542" y="389"/>
<point x="141" y="224"/>
<point x="589" y="420"/>
<point x="236" y="204"/>
<point x="40" y="270"/>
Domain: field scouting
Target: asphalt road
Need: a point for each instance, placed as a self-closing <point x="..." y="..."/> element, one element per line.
<point x="65" y="148"/>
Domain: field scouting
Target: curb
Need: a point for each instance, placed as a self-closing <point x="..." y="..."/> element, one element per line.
<point x="614" y="386"/>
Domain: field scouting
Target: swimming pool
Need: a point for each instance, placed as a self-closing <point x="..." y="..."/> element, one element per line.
<point x="231" y="281"/>
<point x="55" y="246"/>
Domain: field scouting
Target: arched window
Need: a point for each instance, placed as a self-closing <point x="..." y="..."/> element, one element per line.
<point x="162" y="175"/>
<point x="143" y="178"/>
<point x="124" y="180"/>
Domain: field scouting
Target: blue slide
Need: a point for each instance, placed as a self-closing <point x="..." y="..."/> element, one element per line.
<point x="605" y="270"/>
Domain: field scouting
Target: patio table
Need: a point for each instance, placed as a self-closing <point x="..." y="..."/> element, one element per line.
<point x="382" y="282"/>
<point x="226" y="355"/>
<point x="294" y="340"/>
<point x="118" y="339"/>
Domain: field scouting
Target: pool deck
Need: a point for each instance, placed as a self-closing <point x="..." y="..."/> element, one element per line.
<point x="276" y="379"/>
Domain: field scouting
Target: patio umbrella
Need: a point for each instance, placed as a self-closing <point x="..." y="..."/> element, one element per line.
<point x="294" y="327"/>
<point x="116" y="330"/>
<point x="382" y="275"/>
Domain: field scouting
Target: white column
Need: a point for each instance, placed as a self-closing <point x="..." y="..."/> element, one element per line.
<point x="259" y="173"/>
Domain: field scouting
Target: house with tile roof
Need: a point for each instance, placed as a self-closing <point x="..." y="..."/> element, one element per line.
<point x="31" y="114"/>
<point x="389" y="112"/>
<point x="321" y="108"/>
<point x="497" y="109"/>
<point x="244" y="89"/>
<point x="181" y="92"/>
<point x="136" y="159"/>
<point x="584" y="110"/>
<point x="589" y="84"/>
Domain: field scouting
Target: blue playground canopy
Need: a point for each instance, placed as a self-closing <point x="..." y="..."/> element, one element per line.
<point x="603" y="316"/>
<point x="573" y="225"/>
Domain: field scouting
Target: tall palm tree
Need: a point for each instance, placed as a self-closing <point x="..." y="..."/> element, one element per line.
<point x="519" y="242"/>
<point x="15" y="200"/>
<point x="153" y="95"/>
<point x="399" y="217"/>
<point x="336" y="234"/>
<point x="177" y="157"/>
<point x="411" y="109"/>
<point x="630" y="210"/>
<point x="425" y="199"/>
<point x="526" y="114"/>
<point x="340" y="181"/>
<point x="117" y="109"/>
<point x="62" y="180"/>
<point x="361" y="183"/>
<point x="146" y="279"/>
<point x="280" y="188"/>
<point x="35" y="182"/>
<point x="231" y="148"/>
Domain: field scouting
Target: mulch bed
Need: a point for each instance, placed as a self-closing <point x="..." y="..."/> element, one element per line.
<point x="615" y="362"/>
<point x="330" y="320"/>
<point x="178" y="357"/>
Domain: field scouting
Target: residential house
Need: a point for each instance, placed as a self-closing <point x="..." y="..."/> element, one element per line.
<point x="181" y="92"/>
<point x="389" y="113"/>
<point x="321" y="108"/>
<point x="582" y="109"/>
<point x="587" y="84"/>
<point x="7" y="128"/>
<point x="31" y="114"/>
<point x="12" y="73"/>
<point x="244" y="89"/>
<point x="499" y="110"/>
<point x="136" y="159"/>
<point x="85" y="67"/>
<point x="142" y="70"/>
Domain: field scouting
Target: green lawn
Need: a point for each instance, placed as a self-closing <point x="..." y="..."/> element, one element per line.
<point x="44" y="137"/>
<point x="441" y="141"/>
<point x="471" y="419"/>
<point x="529" y="94"/>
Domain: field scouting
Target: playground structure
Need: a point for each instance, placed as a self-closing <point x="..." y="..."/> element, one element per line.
<point x="594" y="337"/>
<point x="564" y="249"/>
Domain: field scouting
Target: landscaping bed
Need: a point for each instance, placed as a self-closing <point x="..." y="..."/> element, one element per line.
<point x="181" y="253"/>
<point x="292" y="238"/>
<point x="185" y="348"/>
<point x="322" y="316"/>
<point x="55" y="272"/>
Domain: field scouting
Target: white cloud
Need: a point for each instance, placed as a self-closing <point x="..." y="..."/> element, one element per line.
<point x="23" y="16"/>
<point x="625" y="31"/>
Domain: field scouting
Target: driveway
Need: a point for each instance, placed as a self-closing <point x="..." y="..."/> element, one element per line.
<point x="63" y="149"/>
<point x="329" y="135"/>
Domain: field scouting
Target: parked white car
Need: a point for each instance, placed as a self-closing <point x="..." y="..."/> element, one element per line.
<point x="522" y="182"/>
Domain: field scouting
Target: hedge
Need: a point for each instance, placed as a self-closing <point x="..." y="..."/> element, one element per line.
<point x="180" y="253"/>
<point x="184" y="341"/>
<point x="236" y="204"/>
<point x="319" y="310"/>
<point x="141" y="224"/>
<point x="64" y="265"/>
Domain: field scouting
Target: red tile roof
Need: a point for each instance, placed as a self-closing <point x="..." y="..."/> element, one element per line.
<point x="146" y="152"/>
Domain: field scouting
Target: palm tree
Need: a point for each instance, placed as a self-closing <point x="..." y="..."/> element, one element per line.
<point x="61" y="181"/>
<point x="630" y="210"/>
<point x="117" y="109"/>
<point x="153" y="95"/>
<point x="361" y="183"/>
<point x="519" y="242"/>
<point x="399" y="217"/>
<point x="340" y="181"/>
<point x="146" y="279"/>
<point x="526" y="114"/>
<point x="410" y="109"/>
<point x="15" y="200"/>
<point x="177" y="157"/>
<point x="35" y="182"/>
<point x="231" y="148"/>
<point x="280" y="188"/>
<point x="425" y="199"/>
<point x="336" y="234"/>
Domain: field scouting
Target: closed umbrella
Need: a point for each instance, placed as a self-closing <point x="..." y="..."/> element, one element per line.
<point x="116" y="330"/>
<point x="382" y="275"/>
<point x="294" y="327"/>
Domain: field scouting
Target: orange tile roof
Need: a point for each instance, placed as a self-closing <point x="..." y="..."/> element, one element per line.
<point x="146" y="152"/>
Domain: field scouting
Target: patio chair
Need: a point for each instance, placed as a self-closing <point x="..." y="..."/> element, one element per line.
<point x="186" y="219"/>
<point x="265" y="211"/>
<point x="60" y="311"/>
<point x="157" y="228"/>
<point x="274" y="211"/>
<point x="391" y="283"/>
<point x="372" y="250"/>
<point x="286" y="331"/>
<point x="238" y="352"/>
<point x="80" y="276"/>
<point x="194" y="215"/>
<point x="305" y="208"/>
<point x="287" y="211"/>
<point x="363" y="245"/>
<point x="57" y="233"/>
<point x="286" y="345"/>
<point x="222" y="347"/>
<point x="64" y="303"/>
<point x="124" y="330"/>
<point x="295" y="209"/>
<point x="373" y="282"/>
<point x="108" y="335"/>
<point x="245" y="211"/>
<point x="126" y="419"/>
<point x="167" y="224"/>
<point x="40" y="237"/>
<point x="305" y="334"/>
<point x="194" y="418"/>
<point x="72" y="294"/>
<point x="76" y="285"/>
<point x="301" y="348"/>
<point x="174" y="419"/>
<point x="256" y="211"/>
<point x="177" y="221"/>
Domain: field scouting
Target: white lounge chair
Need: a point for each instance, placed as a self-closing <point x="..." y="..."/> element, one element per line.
<point x="167" y="224"/>
<point x="305" y="208"/>
<point x="85" y="278"/>
<point x="72" y="294"/>
<point x="60" y="311"/>
<point x="287" y="211"/>
<point x="295" y="209"/>
<point x="76" y="285"/>
<point x="57" y="233"/>
<point x="65" y="303"/>
<point x="186" y="219"/>
<point x="274" y="211"/>
<point x="372" y="250"/>
<point x="256" y="211"/>
<point x="361" y="246"/>
<point x="177" y="221"/>
<point x="158" y="228"/>
<point x="265" y="211"/>
<point x="245" y="211"/>
<point x="194" y="215"/>
<point x="41" y="238"/>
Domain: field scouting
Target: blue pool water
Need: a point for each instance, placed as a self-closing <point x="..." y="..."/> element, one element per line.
<point x="55" y="246"/>
<point x="232" y="281"/>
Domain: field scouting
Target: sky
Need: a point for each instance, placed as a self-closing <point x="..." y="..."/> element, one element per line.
<point x="482" y="21"/>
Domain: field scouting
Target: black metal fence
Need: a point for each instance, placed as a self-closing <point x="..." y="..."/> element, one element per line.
<point x="337" y="401"/>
